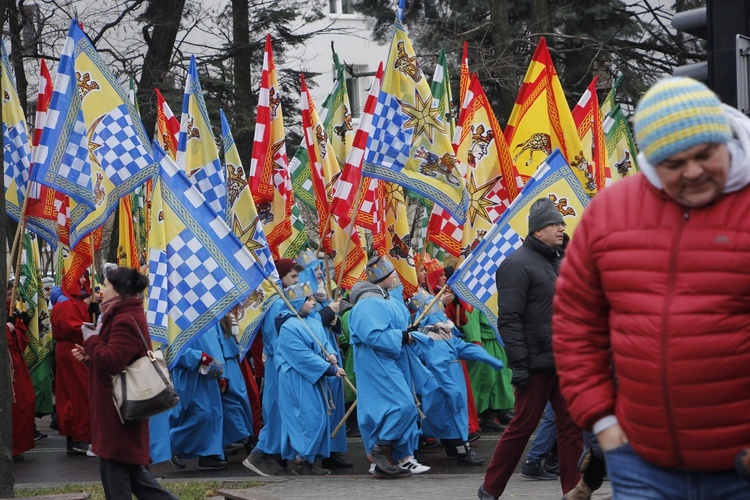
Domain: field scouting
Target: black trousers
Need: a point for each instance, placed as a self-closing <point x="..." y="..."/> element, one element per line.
<point x="120" y="480"/>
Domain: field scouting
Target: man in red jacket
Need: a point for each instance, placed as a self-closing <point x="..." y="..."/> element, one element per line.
<point x="655" y="289"/>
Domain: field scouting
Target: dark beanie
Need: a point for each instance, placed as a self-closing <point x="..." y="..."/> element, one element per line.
<point x="543" y="213"/>
<point x="283" y="266"/>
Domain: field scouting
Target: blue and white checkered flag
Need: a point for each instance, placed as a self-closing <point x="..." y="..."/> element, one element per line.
<point x="93" y="146"/>
<point x="199" y="270"/>
<point x="197" y="153"/>
<point x="17" y="151"/>
<point x="474" y="280"/>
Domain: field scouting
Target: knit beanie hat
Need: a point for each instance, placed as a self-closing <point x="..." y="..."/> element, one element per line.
<point x="283" y="266"/>
<point x="543" y="213"/>
<point x="677" y="114"/>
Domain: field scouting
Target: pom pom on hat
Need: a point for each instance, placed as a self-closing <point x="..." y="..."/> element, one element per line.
<point x="677" y="114"/>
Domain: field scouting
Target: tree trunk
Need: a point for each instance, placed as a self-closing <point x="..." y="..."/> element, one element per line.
<point x="501" y="39"/>
<point x="16" y="55"/>
<point x="7" y="479"/>
<point x="540" y="19"/>
<point x="243" y="82"/>
<point x="162" y="22"/>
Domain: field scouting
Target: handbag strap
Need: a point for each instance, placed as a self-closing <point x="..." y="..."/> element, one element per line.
<point x="143" y="337"/>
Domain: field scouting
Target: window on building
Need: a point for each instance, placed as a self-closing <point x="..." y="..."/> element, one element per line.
<point x="352" y="88"/>
<point x="341" y="6"/>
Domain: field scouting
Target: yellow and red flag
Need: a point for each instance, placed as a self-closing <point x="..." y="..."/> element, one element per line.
<point x="398" y="237"/>
<point x="269" y="168"/>
<point x="588" y="121"/>
<point x="167" y="126"/>
<point x="541" y="121"/>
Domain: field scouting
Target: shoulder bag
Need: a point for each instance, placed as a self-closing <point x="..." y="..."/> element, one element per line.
<point x="144" y="388"/>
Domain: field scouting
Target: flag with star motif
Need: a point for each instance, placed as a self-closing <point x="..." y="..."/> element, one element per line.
<point x="198" y="269"/>
<point x="474" y="280"/>
<point x="409" y="143"/>
<point x="244" y="221"/>
<point x="398" y="237"/>
<point x="93" y="146"/>
<point x="349" y="257"/>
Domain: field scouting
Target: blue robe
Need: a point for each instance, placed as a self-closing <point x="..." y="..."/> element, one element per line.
<point x="336" y="389"/>
<point x="238" y="416"/>
<point x="196" y="423"/>
<point x="386" y="408"/>
<point x="306" y="426"/>
<point x="446" y="411"/>
<point x="269" y="437"/>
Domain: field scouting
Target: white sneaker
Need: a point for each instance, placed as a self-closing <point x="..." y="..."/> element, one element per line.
<point x="90" y="453"/>
<point x="372" y="468"/>
<point x="411" y="464"/>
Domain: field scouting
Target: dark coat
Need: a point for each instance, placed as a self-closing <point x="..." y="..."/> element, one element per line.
<point x="526" y="285"/>
<point x="117" y="345"/>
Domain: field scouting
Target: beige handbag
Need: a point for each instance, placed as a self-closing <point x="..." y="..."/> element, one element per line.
<point x="144" y="388"/>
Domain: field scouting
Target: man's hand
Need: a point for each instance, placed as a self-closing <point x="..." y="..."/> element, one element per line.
<point x="340" y="373"/>
<point x="520" y="378"/>
<point x="335" y="305"/>
<point x="332" y="359"/>
<point x="612" y="437"/>
<point x="24" y="316"/>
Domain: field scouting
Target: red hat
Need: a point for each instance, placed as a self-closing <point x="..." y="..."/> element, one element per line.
<point x="283" y="266"/>
<point x="432" y="278"/>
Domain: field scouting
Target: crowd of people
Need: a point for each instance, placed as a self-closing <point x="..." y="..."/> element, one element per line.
<point x="628" y="350"/>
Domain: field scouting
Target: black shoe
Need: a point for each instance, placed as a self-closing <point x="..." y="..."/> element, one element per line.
<point x="18" y="458"/>
<point x="381" y="474"/>
<point x="430" y="443"/>
<point x="76" y="447"/>
<point x="534" y="470"/>
<point x="381" y="455"/>
<point x="552" y="465"/>
<point x="38" y="435"/>
<point x="505" y="417"/>
<point x="336" y="461"/>
<point x="474" y="436"/>
<point x="178" y="462"/>
<point x="232" y="449"/>
<point x="483" y="495"/>
<point x="211" y="463"/>
<point x="302" y="469"/>
<point x="492" y="425"/>
<point x="470" y="458"/>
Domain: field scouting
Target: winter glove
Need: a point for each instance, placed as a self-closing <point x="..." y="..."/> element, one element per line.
<point x="406" y="337"/>
<point x="412" y="328"/>
<point x="94" y="308"/>
<point x="223" y="385"/>
<point x="23" y="316"/>
<point x="742" y="464"/>
<point x="210" y="367"/>
<point x="520" y="378"/>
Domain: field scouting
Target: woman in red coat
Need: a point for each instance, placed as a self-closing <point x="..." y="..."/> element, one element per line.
<point x="123" y="449"/>
<point x="22" y="408"/>
<point x="71" y="377"/>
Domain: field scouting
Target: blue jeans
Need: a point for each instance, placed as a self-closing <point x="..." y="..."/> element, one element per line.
<point x="633" y="478"/>
<point x="545" y="436"/>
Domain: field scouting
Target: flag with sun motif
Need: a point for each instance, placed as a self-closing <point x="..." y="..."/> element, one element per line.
<point x="410" y="143"/>
<point x="244" y="221"/>
<point x="93" y="146"/>
<point x="474" y="279"/>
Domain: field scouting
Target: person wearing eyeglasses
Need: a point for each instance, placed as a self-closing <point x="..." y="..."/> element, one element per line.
<point x="526" y="286"/>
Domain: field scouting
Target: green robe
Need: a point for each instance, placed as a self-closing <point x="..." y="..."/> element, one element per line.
<point x="492" y="389"/>
<point x="346" y="353"/>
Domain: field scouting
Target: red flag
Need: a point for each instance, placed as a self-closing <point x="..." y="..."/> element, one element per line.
<point x="588" y="122"/>
<point x="345" y="189"/>
<point x="167" y="126"/>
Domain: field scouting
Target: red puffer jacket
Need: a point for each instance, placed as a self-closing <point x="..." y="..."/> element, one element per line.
<point x="663" y="293"/>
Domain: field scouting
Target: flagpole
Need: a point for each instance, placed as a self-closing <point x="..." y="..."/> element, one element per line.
<point x="17" y="245"/>
<point x="315" y="337"/>
<point x="350" y="231"/>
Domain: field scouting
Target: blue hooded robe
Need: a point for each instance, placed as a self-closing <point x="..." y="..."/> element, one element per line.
<point x="303" y="398"/>
<point x="269" y="437"/>
<point x="238" y="416"/>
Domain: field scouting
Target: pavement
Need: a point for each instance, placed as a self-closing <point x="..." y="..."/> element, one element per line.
<point x="49" y="465"/>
